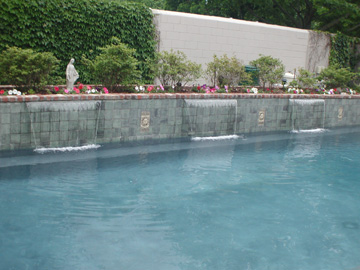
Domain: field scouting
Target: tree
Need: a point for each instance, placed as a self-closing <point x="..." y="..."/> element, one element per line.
<point x="306" y="78"/>
<point x="115" y="64"/>
<point x="173" y="68"/>
<point x="269" y="70"/>
<point x="332" y="16"/>
<point x="226" y="71"/>
<point x="334" y="76"/>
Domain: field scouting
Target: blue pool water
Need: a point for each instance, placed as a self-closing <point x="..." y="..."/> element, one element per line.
<point x="282" y="201"/>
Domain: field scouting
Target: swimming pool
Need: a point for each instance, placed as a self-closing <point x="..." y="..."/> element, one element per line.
<point x="280" y="201"/>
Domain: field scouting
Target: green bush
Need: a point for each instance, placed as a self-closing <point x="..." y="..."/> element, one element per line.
<point x="226" y="71"/>
<point x="173" y="68"/>
<point x="115" y="65"/>
<point x="269" y="70"/>
<point x="306" y="78"/>
<point x="336" y="77"/>
<point x="70" y="29"/>
<point x="26" y="68"/>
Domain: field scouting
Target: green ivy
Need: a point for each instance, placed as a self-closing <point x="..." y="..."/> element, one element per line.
<point x="76" y="28"/>
<point x="343" y="51"/>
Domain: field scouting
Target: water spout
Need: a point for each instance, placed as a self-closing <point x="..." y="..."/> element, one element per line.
<point x="63" y="124"/>
<point x="210" y="117"/>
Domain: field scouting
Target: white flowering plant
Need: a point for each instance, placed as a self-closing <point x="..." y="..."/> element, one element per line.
<point x="12" y="92"/>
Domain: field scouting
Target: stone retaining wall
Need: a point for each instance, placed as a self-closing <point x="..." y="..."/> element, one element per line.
<point x="129" y="117"/>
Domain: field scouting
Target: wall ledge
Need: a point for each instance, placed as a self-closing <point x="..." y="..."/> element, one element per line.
<point x="59" y="97"/>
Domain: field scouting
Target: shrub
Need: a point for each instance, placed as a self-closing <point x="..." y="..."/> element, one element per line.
<point x="334" y="76"/>
<point x="173" y="68"/>
<point x="26" y="68"/>
<point x="226" y="71"/>
<point x="269" y="70"/>
<point x="116" y="64"/>
<point x="306" y="78"/>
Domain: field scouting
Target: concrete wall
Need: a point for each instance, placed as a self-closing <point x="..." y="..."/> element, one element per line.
<point x="200" y="37"/>
<point x="34" y="121"/>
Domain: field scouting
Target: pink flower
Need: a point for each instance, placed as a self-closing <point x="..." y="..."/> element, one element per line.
<point x="66" y="91"/>
<point x="2" y="92"/>
<point x="106" y="91"/>
<point x="248" y="90"/>
<point x="150" y="88"/>
<point x="88" y="87"/>
<point x="77" y="91"/>
<point x="162" y="87"/>
<point x="56" y="88"/>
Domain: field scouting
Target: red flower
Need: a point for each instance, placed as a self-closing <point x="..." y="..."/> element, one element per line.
<point x="2" y="92"/>
<point x="150" y="88"/>
<point x="76" y="90"/>
<point x="81" y="86"/>
<point x="56" y="88"/>
<point x="267" y="89"/>
<point x="198" y="88"/>
<point x="334" y="89"/>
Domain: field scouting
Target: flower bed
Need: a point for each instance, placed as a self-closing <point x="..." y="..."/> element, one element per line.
<point x="159" y="89"/>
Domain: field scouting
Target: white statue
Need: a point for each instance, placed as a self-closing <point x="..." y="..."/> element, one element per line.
<point x="71" y="75"/>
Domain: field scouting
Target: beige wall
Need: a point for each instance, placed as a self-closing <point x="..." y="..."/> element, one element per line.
<point x="200" y="37"/>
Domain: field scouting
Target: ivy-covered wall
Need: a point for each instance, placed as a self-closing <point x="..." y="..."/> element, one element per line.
<point x="344" y="51"/>
<point x="73" y="28"/>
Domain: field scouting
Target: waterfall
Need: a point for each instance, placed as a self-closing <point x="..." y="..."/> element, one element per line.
<point x="209" y="118"/>
<point x="64" y="125"/>
<point x="307" y="115"/>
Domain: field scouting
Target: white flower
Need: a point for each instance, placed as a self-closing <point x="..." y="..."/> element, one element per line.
<point x="93" y="90"/>
<point x="10" y="92"/>
<point x="14" y="92"/>
<point x="137" y="88"/>
<point x="254" y="90"/>
<point x="142" y="89"/>
<point x="18" y="93"/>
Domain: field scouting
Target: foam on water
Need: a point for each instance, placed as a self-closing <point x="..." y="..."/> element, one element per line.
<point x="66" y="149"/>
<point x="315" y="130"/>
<point x="216" y="138"/>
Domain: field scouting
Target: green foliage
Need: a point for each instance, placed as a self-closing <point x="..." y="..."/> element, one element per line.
<point x="115" y="65"/>
<point x="173" y="68"/>
<point x="335" y="76"/>
<point x="158" y="4"/>
<point x="306" y="78"/>
<point x="26" y="68"/>
<point x="269" y="70"/>
<point x="325" y="15"/>
<point x="343" y="51"/>
<point x="70" y="29"/>
<point x="226" y="71"/>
